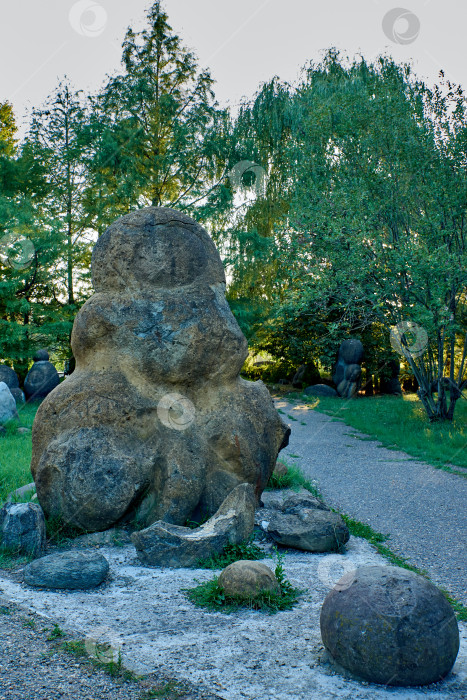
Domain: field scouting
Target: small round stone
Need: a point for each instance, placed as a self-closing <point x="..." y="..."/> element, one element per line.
<point x="391" y="626"/>
<point x="247" y="578"/>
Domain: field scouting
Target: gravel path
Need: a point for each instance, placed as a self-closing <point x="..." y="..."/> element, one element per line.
<point x="34" y="667"/>
<point x="423" y="509"/>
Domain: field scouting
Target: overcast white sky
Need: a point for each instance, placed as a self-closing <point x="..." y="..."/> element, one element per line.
<point x="243" y="42"/>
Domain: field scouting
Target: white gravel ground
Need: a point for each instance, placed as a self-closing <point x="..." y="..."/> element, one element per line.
<point x="248" y="654"/>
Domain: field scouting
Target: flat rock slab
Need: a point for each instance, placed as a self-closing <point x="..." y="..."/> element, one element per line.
<point x="164" y="544"/>
<point x="67" y="570"/>
<point x="241" y="656"/>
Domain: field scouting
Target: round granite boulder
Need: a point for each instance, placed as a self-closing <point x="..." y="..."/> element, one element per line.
<point x="388" y="625"/>
<point x="67" y="570"/>
<point x="247" y="578"/>
<point x="41" y="379"/>
<point x="9" y="376"/>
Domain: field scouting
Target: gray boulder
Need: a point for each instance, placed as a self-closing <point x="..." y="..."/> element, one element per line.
<point x="7" y="405"/>
<point x="246" y="578"/>
<point x="391" y="626"/>
<point x="67" y="570"/>
<point x="9" y="376"/>
<point x="41" y="379"/>
<point x="302" y="521"/>
<point x="288" y="500"/>
<point x="18" y="395"/>
<point x="309" y="529"/>
<point x="22" y="528"/>
<point x="164" y="544"/>
<point x="320" y="390"/>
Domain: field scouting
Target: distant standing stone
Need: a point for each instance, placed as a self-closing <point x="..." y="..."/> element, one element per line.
<point x="7" y="404"/>
<point x="248" y="578"/>
<point x="41" y="379"/>
<point x="22" y="528"/>
<point x="391" y="626"/>
<point x="67" y="570"/>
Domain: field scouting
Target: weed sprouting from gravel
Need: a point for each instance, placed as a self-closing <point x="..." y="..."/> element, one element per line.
<point x="213" y="597"/>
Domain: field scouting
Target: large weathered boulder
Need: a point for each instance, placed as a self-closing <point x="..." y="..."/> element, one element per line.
<point x="67" y="570"/>
<point x="155" y="421"/>
<point x="347" y="370"/>
<point x="22" y="528"/>
<point x="165" y="544"/>
<point x="247" y="579"/>
<point x="9" y="376"/>
<point x="389" y="625"/>
<point x="41" y="379"/>
<point x="7" y="404"/>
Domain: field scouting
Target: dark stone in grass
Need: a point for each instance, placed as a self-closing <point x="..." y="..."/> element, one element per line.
<point x="18" y="395"/>
<point x="41" y="379"/>
<point x="22" y="528"/>
<point x="165" y="544"/>
<point x="320" y="390"/>
<point x="245" y="578"/>
<point x="67" y="570"/>
<point x="9" y="376"/>
<point x="388" y="625"/>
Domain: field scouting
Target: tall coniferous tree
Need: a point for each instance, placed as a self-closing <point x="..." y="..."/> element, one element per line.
<point x="163" y="144"/>
<point x="57" y="137"/>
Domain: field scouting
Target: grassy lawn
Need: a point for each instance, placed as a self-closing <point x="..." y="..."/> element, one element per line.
<point x="401" y="423"/>
<point x="15" y="452"/>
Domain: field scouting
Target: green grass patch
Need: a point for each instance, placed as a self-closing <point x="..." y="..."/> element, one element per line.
<point x="401" y="423"/>
<point x="231" y="553"/>
<point x="359" y="529"/>
<point x="60" y="533"/>
<point x="292" y="479"/>
<point x="213" y="597"/>
<point x="15" y="452"/>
